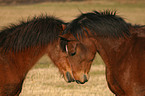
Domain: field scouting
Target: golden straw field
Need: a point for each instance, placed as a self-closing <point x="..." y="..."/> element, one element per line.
<point x="44" y="78"/>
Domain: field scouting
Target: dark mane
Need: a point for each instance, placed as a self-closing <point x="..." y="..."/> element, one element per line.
<point x="106" y="24"/>
<point x="38" y="31"/>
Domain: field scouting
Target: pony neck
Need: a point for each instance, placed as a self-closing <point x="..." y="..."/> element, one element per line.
<point x="23" y="61"/>
<point x="111" y="49"/>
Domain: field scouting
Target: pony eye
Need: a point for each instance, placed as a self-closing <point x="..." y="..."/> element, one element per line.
<point x="72" y="54"/>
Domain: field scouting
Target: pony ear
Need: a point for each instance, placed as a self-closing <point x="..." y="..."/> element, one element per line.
<point x="63" y="26"/>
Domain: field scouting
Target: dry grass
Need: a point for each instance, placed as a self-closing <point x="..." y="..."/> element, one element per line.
<point x="40" y="81"/>
<point x="133" y="13"/>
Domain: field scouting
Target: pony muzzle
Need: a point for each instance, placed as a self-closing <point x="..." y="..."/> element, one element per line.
<point x="82" y="80"/>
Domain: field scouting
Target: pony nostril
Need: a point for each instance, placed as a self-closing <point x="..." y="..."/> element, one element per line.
<point x="69" y="77"/>
<point x="72" y="54"/>
<point x="79" y="82"/>
<point x="85" y="78"/>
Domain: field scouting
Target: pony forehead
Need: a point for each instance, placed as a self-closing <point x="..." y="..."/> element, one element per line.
<point x="106" y="24"/>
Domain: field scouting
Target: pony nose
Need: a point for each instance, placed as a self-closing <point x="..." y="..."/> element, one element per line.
<point x="85" y="80"/>
<point x="69" y="77"/>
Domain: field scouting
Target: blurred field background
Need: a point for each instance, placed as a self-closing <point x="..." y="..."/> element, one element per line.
<point x="44" y="78"/>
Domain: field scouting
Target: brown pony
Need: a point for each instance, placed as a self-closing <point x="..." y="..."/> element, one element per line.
<point x="21" y="46"/>
<point x="121" y="46"/>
